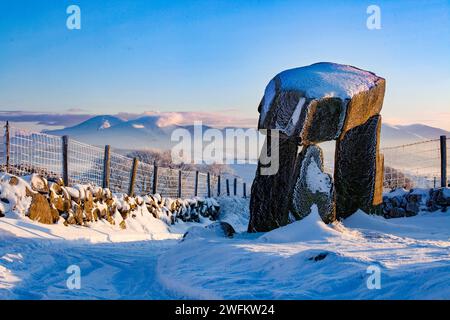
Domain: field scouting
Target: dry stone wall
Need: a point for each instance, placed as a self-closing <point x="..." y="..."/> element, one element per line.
<point x="402" y="203"/>
<point x="48" y="202"/>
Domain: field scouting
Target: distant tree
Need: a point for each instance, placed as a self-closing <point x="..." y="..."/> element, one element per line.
<point x="150" y="156"/>
<point x="394" y="178"/>
<point x="164" y="159"/>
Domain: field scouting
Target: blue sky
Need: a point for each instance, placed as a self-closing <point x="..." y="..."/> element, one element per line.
<point x="146" y="55"/>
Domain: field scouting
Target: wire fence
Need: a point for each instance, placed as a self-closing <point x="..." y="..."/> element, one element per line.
<point x="120" y="172"/>
<point x="408" y="166"/>
<point x="86" y="163"/>
<point x="31" y="152"/>
<point x="23" y="152"/>
<point x="414" y="165"/>
<point x="144" y="178"/>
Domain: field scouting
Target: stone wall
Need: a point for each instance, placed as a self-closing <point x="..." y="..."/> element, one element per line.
<point x="402" y="203"/>
<point x="48" y="202"/>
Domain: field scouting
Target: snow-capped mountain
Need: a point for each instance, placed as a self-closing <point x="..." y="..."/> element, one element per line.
<point x="141" y="133"/>
<point x="149" y="132"/>
<point x="392" y="135"/>
<point x="90" y="126"/>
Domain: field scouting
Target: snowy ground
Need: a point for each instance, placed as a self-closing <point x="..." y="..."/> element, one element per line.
<point x="114" y="263"/>
<point x="413" y="255"/>
<point x="304" y="260"/>
<point x="36" y="269"/>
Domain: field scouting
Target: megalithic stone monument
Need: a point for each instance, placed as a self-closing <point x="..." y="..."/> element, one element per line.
<point x="309" y="105"/>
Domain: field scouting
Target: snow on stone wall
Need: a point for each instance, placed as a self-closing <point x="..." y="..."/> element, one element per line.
<point x="402" y="203"/>
<point x="49" y="202"/>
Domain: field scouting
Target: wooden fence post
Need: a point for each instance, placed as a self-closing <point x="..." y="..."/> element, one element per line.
<point x="7" y="142"/>
<point x="179" y="183"/>
<point x="155" y="178"/>
<point x="228" y="187"/>
<point x="218" y="185"/>
<point x="196" y="184"/>
<point x="208" y="184"/>
<point x="65" y="160"/>
<point x="133" y="177"/>
<point x="106" y="166"/>
<point x="244" y="189"/>
<point x="235" y="187"/>
<point x="443" y="161"/>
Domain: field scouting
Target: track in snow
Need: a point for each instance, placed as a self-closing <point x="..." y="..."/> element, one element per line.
<point x="108" y="270"/>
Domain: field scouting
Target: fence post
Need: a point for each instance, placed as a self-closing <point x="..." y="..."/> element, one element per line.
<point x="65" y="159"/>
<point x="443" y="161"/>
<point x="106" y="166"/>
<point x="133" y="177"/>
<point x="179" y="183"/>
<point x="218" y="185"/>
<point x="244" y="189"/>
<point x="228" y="187"/>
<point x="7" y="142"/>
<point x="155" y="178"/>
<point x="196" y="184"/>
<point x="208" y="184"/>
<point x="235" y="187"/>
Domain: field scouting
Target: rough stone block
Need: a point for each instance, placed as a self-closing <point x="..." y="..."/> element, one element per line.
<point x="357" y="169"/>
<point x="269" y="202"/>
<point x="41" y="211"/>
<point x="312" y="186"/>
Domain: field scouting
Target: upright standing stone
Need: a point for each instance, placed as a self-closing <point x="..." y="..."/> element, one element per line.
<point x="312" y="186"/>
<point x="269" y="203"/>
<point x="358" y="171"/>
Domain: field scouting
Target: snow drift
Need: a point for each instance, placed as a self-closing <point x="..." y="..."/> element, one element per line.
<point x="311" y="260"/>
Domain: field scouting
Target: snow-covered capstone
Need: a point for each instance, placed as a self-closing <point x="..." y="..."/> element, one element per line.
<point x="321" y="101"/>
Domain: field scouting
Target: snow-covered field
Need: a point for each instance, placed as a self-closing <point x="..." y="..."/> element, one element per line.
<point x="305" y="260"/>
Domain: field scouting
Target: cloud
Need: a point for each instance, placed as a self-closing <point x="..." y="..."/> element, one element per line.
<point x="46" y="119"/>
<point x="214" y="119"/>
<point x="171" y="118"/>
<point x="76" y="110"/>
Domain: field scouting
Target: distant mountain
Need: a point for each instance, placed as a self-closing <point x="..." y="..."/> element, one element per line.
<point x="401" y="134"/>
<point x="424" y="131"/>
<point x="145" y="132"/>
<point x="90" y="126"/>
<point x="141" y="133"/>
